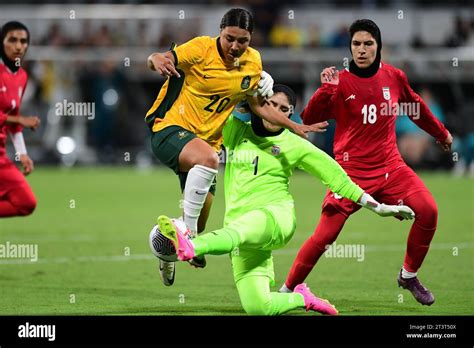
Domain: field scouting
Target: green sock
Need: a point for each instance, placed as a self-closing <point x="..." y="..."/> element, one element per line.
<point x="216" y="242"/>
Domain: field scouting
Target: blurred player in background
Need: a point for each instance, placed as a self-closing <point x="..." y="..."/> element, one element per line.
<point x="260" y="214"/>
<point x="16" y="196"/>
<point x="207" y="78"/>
<point x="359" y="98"/>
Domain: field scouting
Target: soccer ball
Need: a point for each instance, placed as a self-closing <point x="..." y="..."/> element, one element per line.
<point x="161" y="246"/>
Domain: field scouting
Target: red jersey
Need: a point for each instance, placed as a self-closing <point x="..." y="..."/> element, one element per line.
<point x="365" y="110"/>
<point x="12" y="88"/>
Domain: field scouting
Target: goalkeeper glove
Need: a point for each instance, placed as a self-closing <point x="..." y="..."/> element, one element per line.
<point x="265" y="85"/>
<point x="402" y="211"/>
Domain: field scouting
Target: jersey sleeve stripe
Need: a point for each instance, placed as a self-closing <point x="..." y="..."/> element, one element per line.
<point x="173" y="52"/>
<point x="172" y="93"/>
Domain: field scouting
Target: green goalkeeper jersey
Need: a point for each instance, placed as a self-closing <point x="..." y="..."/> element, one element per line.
<point x="258" y="169"/>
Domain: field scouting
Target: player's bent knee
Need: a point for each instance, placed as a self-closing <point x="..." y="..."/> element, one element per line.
<point x="429" y="216"/>
<point x="210" y="161"/>
<point x="27" y="207"/>
<point x="197" y="154"/>
<point x="432" y="212"/>
<point x="426" y="212"/>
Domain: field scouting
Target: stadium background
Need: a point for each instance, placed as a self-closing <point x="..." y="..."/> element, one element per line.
<point x="99" y="188"/>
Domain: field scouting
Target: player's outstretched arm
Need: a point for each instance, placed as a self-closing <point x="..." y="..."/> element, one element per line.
<point x="424" y="118"/>
<point x="262" y="108"/>
<point x="257" y="100"/>
<point x="321" y="165"/>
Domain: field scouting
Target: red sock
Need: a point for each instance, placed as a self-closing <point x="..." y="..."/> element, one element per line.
<point x="18" y="202"/>
<point x="422" y="230"/>
<point x="325" y="234"/>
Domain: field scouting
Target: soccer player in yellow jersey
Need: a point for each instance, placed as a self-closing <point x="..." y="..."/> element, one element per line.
<point x="207" y="77"/>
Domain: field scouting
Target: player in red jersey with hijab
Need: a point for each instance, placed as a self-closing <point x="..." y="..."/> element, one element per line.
<point x="365" y="100"/>
<point x="16" y="196"/>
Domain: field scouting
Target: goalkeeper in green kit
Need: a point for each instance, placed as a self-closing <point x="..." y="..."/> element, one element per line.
<point x="260" y="214"/>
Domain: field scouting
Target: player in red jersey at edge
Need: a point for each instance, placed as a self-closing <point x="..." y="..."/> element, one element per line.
<point x="365" y="100"/>
<point x="16" y="196"/>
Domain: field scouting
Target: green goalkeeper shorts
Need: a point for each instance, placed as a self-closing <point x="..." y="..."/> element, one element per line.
<point x="261" y="231"/>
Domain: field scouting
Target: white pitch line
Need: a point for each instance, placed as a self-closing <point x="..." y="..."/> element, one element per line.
<point x="389" y="247"/>
<point x="109" y="258"/>
<point x="122" y="258"/>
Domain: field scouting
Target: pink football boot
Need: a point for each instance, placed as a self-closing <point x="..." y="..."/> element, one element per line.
<point x="184" y="247"/>
<point x="315" y="303"/>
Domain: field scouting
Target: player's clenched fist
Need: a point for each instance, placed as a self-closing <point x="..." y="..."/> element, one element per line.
<point x="265" y="85"/>
<point x="330" y="75"/>
<point x="32" y="122"/>
<point x="446" y="144"/>
<point x="163" y="64"/>
<point x="26" y="163"/>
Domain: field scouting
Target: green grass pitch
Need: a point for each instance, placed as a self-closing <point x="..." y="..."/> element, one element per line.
<point x="91" y="227"/>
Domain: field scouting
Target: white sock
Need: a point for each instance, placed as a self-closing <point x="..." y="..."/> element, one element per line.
<point x="407" y="275"/>
<point x="195" y="192"/>
<point x="284" y="289"/>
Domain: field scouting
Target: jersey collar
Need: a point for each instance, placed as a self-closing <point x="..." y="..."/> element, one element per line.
<point x="260" y="130"/>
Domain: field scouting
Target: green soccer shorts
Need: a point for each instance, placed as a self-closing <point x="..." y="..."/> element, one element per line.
<point x="167" y="145"/>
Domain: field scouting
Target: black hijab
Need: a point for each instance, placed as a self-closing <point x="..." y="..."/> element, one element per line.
<point x="368" y="26"/>
<point x="7" y="27"/>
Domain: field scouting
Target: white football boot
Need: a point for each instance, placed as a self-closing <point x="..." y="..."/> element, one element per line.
<point x="167" y="271"/>
<point x="165" y="268"/>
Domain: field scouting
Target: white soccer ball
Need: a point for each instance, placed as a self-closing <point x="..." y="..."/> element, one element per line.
<point x="161" y="246"/>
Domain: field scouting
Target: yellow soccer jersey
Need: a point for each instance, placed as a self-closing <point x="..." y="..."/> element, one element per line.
<point x="207" y="92"/>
